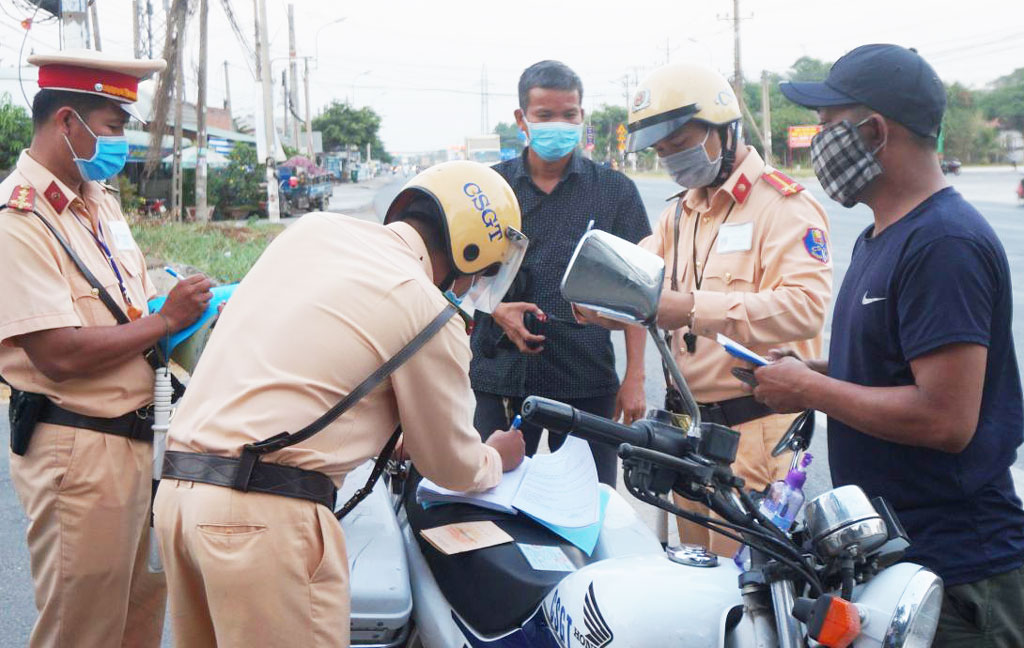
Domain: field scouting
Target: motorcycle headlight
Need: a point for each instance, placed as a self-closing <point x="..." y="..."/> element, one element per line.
<point x="900" y="608"/>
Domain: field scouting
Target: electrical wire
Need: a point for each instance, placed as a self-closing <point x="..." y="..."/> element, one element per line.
<point x="21" y="53"/>
<point x="720" y="526"/>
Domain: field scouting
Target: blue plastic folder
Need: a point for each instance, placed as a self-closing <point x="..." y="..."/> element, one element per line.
<point x="583" y="537"/>
<point x="221" y="294"/>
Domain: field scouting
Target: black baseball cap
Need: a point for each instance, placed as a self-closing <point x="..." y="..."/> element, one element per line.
<point x="892" y="80"/>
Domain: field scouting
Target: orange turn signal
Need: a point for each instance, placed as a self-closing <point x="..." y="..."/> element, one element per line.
<point x="831" y="621"/>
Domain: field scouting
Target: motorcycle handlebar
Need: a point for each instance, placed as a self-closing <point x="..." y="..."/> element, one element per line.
<point x="560" y="417"/>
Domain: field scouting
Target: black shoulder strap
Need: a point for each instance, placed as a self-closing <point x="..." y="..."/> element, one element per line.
<point x="153" y="356"/>
<point x="252" y="451"/>
<point x="673" y="281"/>
<point x="101" y="292"/>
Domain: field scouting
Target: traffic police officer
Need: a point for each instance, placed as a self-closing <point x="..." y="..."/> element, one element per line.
<point x="83" y="478"/>
<point x="747" y="255"/>
<point x="330" y="300"/>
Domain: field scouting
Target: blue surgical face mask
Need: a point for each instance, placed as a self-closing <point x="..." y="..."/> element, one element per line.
<point x="553" y="140"/>
<point x="107" y="160"/>
<point x="691" y="167"/>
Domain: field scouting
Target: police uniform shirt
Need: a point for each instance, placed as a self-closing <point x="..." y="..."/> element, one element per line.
<point x="937" y="276"/>
<point x="43" y="289"/>
<point x="763" y="264"/>
<point x="328" y="302"/>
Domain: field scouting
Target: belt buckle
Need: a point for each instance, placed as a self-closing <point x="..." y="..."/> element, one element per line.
<point x="715" y="413"/>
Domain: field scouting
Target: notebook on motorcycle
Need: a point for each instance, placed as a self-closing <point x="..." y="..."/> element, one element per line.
<point x="559" y="488"/>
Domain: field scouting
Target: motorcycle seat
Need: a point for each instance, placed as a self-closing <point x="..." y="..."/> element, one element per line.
<point x="494" y="590"/>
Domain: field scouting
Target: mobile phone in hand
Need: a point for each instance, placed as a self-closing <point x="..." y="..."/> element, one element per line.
<point x="744" y="375"/>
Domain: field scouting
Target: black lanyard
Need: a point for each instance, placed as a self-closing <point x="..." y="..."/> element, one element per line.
<point x="698" y="279"/>
<point x="690" y="338"/>
<point x="133" y="312"/>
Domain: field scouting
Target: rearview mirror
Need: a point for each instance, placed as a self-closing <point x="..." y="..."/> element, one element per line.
<point x="616" y="278"/>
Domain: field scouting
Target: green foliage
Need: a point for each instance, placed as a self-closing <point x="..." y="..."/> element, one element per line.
<point x="129" y="194"/>
<point x="1005" y="101"/>
<point x="224" y="252"/>
<point x="239" y="182"/>
<point x="509" y="135"/>
<point x="605" y="121"/>
<point x="342" y="126"/>
<point x="784" y="113"/>
<point x="967" y="136"/>
<point x="15" y="131"/>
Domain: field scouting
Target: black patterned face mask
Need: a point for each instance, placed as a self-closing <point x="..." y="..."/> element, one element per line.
<point x="843" y="163"/>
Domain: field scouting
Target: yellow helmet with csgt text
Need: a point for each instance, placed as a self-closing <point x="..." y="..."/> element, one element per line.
<point x="675" y="94"/>
<point x="480" y="221"/>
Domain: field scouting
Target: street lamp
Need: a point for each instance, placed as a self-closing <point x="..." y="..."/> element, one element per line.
<point x="316" y="38"/>
<point x="356" y="77"/>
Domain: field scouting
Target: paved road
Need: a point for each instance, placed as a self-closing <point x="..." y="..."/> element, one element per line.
<point x="991" y="192"/>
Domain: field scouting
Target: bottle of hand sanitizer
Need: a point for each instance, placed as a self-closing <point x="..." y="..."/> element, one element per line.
<point x="781" y="504"/>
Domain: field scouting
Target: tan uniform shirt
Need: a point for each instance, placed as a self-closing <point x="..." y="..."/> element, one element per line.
<point x="765" y="267"/>
<point x="42" y="289"/>
<point x="328" y="302"/>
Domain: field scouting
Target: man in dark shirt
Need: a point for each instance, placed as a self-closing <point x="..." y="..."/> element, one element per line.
<point x="923" y="391"/>
<point x="531" y="344"/>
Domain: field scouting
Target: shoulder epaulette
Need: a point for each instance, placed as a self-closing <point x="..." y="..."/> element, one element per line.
<point x="23" y="198"/>
<point x="782" y="183"/>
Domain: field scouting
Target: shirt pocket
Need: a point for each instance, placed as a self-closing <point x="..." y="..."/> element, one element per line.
<point x="88" y="305"/>
<point x="731" y="272"/>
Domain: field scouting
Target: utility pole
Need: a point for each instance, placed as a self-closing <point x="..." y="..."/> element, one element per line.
<point x="263" y="47"/>
<point x="149" y="28"/>
<point x="484" y="102"/>
<point x="181" y="7"/>
<point x="136" y="30"/>
<point x="766" y="117"/>
<point x="74" y="24"/>
<point x="737" y="75"/>
<point x="284" y="101"/>
<point x="227" y="89"/>
<point x="293" y="74"/>
<point x="95" y="18"/>
<point x="202" y="213"/>
<point x="309" y="120"/>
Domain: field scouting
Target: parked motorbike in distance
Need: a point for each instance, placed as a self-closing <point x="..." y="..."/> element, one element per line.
<point x="950" y="165"/>
<point x="836" y="580"/>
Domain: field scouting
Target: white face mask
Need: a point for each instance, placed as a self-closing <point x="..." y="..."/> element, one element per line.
<point x="691" y="167"/>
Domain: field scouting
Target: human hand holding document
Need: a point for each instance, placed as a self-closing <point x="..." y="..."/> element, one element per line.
<point x="559" y="488"/>
<point x="737" y="350"/>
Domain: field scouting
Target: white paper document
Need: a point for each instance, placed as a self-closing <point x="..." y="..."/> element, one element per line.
<point x="559" y="488"/>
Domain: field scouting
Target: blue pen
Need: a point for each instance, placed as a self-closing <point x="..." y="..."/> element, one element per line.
<point x="169" y="270"/>
<point x="516" y="422"/>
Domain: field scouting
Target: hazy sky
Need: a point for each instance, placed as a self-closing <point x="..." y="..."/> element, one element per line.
<point x="419" y="64"/>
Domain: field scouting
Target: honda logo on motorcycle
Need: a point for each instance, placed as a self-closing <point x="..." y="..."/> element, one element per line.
<point x="595" y="632"/>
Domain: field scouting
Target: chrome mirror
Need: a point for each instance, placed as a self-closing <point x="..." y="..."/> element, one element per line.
<point x="614" y="277"/>
<point x="622" y="281"/>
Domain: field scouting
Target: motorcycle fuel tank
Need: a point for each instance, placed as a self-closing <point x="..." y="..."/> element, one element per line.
<point x="643" y="601"/>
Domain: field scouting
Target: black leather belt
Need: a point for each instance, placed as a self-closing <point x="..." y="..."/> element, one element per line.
<point x="270" y="478"/>
<point x="133" y="425"/>
<point x="733" y="412"/>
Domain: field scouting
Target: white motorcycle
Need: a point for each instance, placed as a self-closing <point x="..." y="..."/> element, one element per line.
<point x="837" y="580"/>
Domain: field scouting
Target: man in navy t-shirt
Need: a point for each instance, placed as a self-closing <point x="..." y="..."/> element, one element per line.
<point x="923" y="392"/>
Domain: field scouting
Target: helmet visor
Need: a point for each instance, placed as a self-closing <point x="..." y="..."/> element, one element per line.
<point x="487" y="290"/>
<point x="651" y="130"/>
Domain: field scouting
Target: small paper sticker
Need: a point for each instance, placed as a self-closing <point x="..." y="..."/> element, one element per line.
<point x="735" y="238"/>
<point x="545" y="558"/>
<point x="122" y="235"/>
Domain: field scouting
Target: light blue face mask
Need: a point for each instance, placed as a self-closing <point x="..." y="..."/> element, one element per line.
<point x="107" y="160"/>
<point x="553" y="140"/>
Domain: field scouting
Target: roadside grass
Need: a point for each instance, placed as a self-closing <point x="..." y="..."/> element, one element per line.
<point x="224" y="251"/>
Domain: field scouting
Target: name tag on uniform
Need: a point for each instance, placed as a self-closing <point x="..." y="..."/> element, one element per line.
<point x="122" y="235"/>
<point x="735" y="237"/>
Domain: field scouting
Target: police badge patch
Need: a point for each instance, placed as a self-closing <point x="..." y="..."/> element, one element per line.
<point x="817" y="244"/>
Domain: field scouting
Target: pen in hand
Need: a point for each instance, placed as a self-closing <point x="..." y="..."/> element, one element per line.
<point x="516" y="422"/>
<point x="171" y="271"/>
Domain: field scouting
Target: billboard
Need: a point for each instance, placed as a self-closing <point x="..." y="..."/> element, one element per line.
<point x="800" y="136"/>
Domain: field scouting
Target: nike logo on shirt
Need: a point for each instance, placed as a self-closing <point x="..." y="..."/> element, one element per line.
<point x="865" y="300"/>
